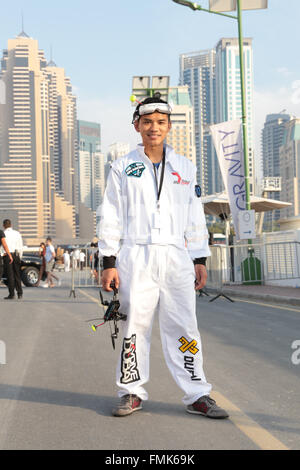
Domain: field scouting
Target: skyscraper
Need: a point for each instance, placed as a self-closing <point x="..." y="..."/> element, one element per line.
<point x="115" y="150"/>
<point x="228" y="90"/>
<point x="62" y="130"/>
<point x="197" y="70"/>
<point x="289" y="157"/>
<point x="38" y="143"/>
<point x="91" y="164"/>
<point x="213" y="77"/>
<point x="181" y="136"/>
<point x="271" y="141"/>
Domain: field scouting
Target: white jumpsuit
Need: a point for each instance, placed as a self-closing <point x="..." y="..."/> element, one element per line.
<point x="155" y="247"/>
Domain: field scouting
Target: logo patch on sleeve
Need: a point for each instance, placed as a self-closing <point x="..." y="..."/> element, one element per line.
<point x="198" y="190"/>
<point x="135" y="169"/>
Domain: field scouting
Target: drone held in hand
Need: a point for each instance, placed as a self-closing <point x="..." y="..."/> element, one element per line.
<point x="112" y="314"/>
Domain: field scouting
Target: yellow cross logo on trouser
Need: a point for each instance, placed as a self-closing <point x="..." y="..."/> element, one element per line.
<point x="188" y="346"/>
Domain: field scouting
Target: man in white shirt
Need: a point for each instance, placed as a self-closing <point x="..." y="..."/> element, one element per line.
<point x="81" y="259"/>
<point x="15" y="246"/>
<point x="67" y="261"/>
<point x="76" y="258"/>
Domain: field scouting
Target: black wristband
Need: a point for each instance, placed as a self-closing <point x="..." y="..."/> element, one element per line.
<point x="200" y="261"/>
<point x="109" y="262"/>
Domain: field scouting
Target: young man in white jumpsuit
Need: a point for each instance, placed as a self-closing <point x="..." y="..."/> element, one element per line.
<point x="154" y="242"/>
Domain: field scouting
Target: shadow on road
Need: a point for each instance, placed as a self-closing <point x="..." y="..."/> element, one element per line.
<point x="98" y="403"/>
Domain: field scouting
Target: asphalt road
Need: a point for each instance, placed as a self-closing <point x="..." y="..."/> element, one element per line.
<point x="57" y="386"/>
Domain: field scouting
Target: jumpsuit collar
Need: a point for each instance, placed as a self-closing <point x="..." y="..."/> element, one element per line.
<point x="170" y="154"/>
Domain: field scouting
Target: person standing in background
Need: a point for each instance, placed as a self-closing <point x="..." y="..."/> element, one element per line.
<point x="3" y="252"/>
<point x="67" y="261"/>
<point x="82" y="259"/>
<point x="15" y="245"/>
<point x="96" y="267"/>
<point x="50" y="259"/>
<point x="43" y="265"/>
<point x="76" y="258"/>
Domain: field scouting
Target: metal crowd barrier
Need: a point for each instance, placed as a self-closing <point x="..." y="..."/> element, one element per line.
<point x="85" y="269"/>
<point x="246" y="264"/>
<point x="217" y="268"/>
<point x="252" y="264"/>
<point x="282" y="260"/>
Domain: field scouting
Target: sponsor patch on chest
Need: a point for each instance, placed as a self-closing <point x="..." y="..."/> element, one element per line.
<point x="179" y="179"/>
<point x="135" y="169"/>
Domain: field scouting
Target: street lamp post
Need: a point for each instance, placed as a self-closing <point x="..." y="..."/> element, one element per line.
<point x="244" y="110"/>
<point x="228" y="5"/>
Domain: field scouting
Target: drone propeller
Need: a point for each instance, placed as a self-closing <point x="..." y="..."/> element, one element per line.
<point x="95" y="327"/>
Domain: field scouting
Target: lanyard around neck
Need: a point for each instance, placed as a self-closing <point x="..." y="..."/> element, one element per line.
<point x="159" y="188"/>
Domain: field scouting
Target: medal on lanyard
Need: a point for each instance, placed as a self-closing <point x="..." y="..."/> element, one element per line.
<point x="157" y="221"/>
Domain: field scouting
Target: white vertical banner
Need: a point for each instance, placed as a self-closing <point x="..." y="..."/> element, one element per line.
<point x="228" y="141"/>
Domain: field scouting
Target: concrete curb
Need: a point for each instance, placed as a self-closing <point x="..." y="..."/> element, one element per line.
<point x="256" y="296"/>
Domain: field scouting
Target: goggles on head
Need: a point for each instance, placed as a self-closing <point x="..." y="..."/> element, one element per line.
<point x="151" y="108"/>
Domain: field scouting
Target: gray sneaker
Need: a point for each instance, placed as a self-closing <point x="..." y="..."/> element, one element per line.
<point x="128" y="404"/>
<point x="207" y="406"/>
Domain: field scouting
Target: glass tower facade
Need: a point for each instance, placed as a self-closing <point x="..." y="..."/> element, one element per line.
<point x="197" y="70"/>
<point x="228" y="90"/>
<point x="271" y="140"/>
<point x="91" y="164"/>
<point x="213" y="77"/>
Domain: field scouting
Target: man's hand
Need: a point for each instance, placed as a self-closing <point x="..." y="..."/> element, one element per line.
<point x="108" y="276"/>
<point x="201" y="276"/>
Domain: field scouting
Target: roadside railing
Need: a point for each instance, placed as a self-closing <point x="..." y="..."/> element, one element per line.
<point x="247" y="264"/>
<point x="85" y="269"/>
<point x="282" y="260"/>
<point x="217" y="270"/>
<point x="253" y="264"/>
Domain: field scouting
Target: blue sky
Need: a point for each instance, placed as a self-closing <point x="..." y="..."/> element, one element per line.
<point x="102" y="44"/>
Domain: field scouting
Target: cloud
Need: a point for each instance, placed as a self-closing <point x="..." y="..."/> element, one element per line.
<point x="284" y="71"/>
